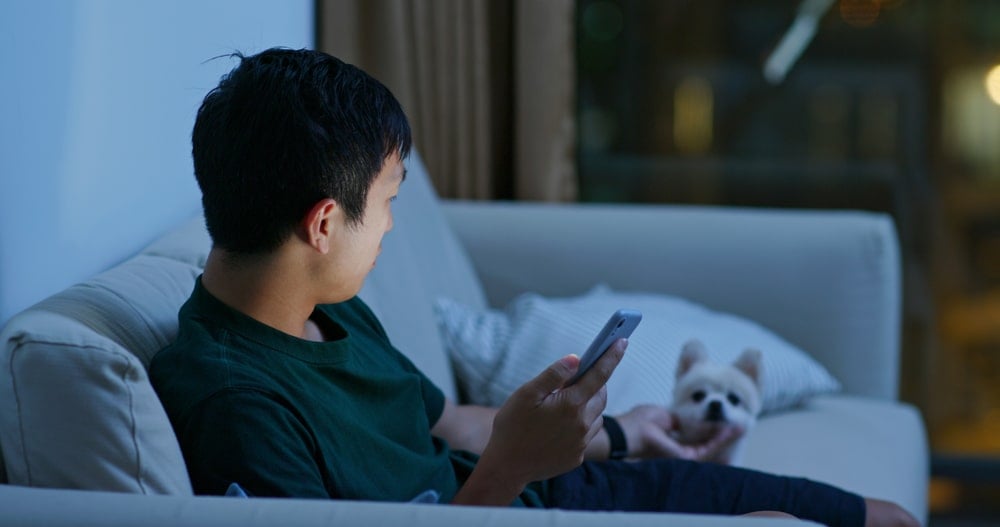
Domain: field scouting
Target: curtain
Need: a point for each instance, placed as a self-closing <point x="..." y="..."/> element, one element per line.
<point x="488" y="85"/>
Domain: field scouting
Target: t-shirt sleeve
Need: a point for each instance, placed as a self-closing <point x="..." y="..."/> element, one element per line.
<point x="433" y="400"/>
<point x="249" y="437"/>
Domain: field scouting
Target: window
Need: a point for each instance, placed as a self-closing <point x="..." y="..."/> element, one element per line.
<point x="891" y="106"/>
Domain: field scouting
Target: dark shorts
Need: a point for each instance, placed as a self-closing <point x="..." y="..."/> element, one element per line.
<point x="671" y="485"/>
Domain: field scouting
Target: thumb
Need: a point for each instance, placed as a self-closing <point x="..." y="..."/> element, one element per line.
<point x="555" y="376"/>
<point x="725" y="438"/>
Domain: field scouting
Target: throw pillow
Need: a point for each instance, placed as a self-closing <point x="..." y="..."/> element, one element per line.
<point x="494" y="351"/>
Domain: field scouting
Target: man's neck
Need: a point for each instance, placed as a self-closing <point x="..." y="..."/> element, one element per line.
<point x="263" y="289"/>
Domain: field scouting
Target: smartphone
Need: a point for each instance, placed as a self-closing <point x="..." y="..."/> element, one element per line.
<point x="619" y="326"/>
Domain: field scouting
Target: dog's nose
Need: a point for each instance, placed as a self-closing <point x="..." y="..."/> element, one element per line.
<point x="715" y="412"/>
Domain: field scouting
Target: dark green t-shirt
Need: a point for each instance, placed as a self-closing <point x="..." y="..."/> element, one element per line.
<point x="348" y="418"/>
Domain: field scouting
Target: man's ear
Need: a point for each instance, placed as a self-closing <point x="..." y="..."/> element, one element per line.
<point x="319" y="224"/>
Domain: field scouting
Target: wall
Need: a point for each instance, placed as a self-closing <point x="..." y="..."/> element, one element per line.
<point x="97" y="100"/>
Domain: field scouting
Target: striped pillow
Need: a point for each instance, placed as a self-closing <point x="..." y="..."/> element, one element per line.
<point x="494" y="352"/>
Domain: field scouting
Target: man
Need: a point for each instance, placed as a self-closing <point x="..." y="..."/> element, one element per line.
<point x="281" y="380"/>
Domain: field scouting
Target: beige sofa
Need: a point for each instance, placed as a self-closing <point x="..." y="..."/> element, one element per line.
<point x="78" y="415"/>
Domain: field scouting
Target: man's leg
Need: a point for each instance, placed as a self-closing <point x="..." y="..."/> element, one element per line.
<point x="671" y="485"/>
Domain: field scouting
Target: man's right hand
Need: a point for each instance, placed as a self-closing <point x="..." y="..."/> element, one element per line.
<point x="542" y="430"/>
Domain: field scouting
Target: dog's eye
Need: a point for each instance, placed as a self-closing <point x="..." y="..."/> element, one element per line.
<point x="698" y="396"/>
<point x="733" y="399"/>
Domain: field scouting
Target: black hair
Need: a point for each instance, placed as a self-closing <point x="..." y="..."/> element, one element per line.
<point x="284" y="130"/>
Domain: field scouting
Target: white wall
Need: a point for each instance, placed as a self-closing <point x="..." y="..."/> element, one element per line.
<point x="97" y="101"/>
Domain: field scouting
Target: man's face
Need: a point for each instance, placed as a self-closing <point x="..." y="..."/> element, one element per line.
<point x="354" y="248"/>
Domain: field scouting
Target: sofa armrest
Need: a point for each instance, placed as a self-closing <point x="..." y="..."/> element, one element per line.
<point x="57" y="508"/>
<point x="827" y="281"/>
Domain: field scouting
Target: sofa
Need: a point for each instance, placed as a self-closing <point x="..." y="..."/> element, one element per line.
<point x="85" y="441"/>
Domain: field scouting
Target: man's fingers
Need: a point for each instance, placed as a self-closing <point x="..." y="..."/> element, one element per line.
<point x="724" y="439"/>
<point x="671" y="448"/>
<point x="595" y="427"/>
<point x="553" y="377"/>
<point x="598" y="375"/>
<point x="596" y="404"/>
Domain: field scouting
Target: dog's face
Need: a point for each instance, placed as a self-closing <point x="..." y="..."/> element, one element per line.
<point x="709" y="396"/>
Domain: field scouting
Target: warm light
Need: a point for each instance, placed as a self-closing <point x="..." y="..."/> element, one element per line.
<point x="859" y="13"/>
<point x="693" y="115"/>
<point x="890" y="4"/>
<point x="993" y="83"/>
<point x="944" y="495"/>
<point x="970" y="128"/>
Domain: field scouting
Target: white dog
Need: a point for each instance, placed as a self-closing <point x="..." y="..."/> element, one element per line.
<point x="709" y="396"/>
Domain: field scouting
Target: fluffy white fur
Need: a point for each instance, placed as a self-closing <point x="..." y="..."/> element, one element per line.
<point x="709" y="396"/>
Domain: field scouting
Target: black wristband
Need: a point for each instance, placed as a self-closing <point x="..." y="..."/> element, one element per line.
<point x="619" y="448"/>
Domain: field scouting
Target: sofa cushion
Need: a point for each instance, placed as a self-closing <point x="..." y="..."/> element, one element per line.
<point x="78" y="410"/>
<point x="421" y="259"/>
<point x="872" y="447"/>
<point x="188" y="243"/>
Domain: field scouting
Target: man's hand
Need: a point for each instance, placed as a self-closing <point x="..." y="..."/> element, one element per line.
<point x="647" y="432"/>
<point x="542" y="429"/>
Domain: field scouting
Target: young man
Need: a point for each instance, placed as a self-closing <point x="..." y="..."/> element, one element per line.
<point x="281" y="380"/>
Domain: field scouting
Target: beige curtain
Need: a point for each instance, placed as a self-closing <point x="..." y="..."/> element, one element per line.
<point x="488" y="86"/>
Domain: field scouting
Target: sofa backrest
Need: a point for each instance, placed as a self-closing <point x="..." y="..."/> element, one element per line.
<point x="421" y="259"/>
<point x="76" y="406"/>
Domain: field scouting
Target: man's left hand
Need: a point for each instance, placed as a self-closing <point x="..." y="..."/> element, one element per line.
<point x="647" y="431"/>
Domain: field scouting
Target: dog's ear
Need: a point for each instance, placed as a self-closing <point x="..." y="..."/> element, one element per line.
<point x="694" y="352"/>
<point x="750" y="362"/>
